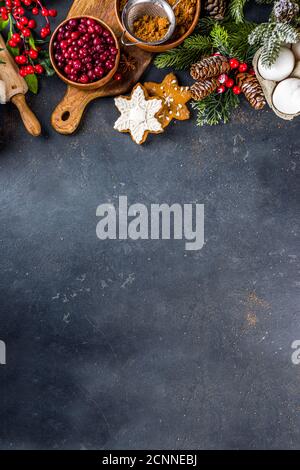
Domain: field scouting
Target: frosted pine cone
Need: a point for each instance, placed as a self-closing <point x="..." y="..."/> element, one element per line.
<point x="215" y="8"/>
<point x="284" y="11"/>
<point x="252" y="90"/>
<point x="203" y="88"/>
<point x="210" y="67"/>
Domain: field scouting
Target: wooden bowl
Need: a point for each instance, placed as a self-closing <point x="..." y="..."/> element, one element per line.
<point x="85" y="86"/>
<point x="163" y="47"/>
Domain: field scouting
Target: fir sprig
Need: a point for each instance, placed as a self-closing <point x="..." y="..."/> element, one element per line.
<point x="236" y="10"/>
<point x="282" y="28"/>
<point x="215" y="108"/>
<point x="224" y="36"/>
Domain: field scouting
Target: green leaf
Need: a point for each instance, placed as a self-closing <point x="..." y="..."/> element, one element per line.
<point x="13" y="50"/>
<point x="31" y="42"/>
<point x="46" y="63"/>
<point x="32" y="83"/>
<point x="3" y="24"/>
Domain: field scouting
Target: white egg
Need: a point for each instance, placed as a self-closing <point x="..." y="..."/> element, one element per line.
<point x="282" y="67"/>
<point x="286" y="96"/>
<point x="296" y="50"/>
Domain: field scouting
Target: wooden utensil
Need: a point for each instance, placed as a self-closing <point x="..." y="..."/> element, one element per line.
<point x="67" y="115"/>
<point x="16" y="88"/>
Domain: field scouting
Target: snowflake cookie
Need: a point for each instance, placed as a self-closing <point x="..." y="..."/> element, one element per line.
<point x="174" y="96"/>
<point x="138" y="114"/>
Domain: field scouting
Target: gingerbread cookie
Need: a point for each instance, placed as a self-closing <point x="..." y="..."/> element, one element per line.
<point x="138" y="114"/>
<point x="175" y="98"/>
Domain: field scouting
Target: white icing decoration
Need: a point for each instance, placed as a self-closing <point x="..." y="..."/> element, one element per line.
<point x="138" y="115"/>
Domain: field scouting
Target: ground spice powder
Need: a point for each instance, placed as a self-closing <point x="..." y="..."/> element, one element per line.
<point x="150" y="28"/>
<point x="184" y="13"/>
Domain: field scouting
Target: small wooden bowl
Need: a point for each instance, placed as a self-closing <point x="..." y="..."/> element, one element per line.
<point x="85" y="86"/>
<point x="163" y="47"/>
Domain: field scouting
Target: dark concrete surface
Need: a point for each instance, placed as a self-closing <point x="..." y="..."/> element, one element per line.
<point x="140" y="345"/>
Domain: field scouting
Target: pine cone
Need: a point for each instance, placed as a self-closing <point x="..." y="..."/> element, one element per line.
<point x="215" y="8"/>
<point x="252" y="90"/>
<point x="203" y="88"/>
<point x="210" y="67"/>
<point x="285" y="10"/>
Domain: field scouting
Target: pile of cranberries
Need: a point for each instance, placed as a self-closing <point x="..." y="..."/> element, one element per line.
<point x="84" y="50"/>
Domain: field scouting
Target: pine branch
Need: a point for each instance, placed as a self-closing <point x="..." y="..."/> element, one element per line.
<point x="236" y="10"/>
<point x="180" y="58"/>
<point x="215" y="108"/>
<point x="271" y="36"/>
<point x="220" y="40"/>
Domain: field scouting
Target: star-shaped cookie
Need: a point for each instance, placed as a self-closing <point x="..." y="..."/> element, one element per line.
<point x="175" y="98"/>
<point x="138" y="114"/>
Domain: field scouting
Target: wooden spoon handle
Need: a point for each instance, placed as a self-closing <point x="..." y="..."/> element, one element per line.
<point x="67" y="115"/>
<point x="29" y="119"/>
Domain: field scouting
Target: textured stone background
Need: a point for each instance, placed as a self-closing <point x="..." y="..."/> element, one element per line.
<point x="140" y="344"/>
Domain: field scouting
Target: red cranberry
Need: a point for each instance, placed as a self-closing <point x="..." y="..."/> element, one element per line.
<point x="84" y="79"/>
<point x="77" y="64"/>
<point x="99" y="71"/>
<point x="73" y="23"/>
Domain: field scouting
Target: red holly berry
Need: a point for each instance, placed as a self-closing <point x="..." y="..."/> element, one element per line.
<point x="33" y="54"/>
<point x="243" y="67"/>
<point x="236" y="90"/>
<point x="20" y="11"/>
<point x="16" y="38"/>
<point x="44" y="32"/>
<point x="21" y="59"/>
<point x="118" y="77"/>
<point x="234" y="63"/>
<point x="31" y="24"/>
<point x="221" y="89"/>
<point x="44" y="12"/>
<point x="229" y="83"/>
<point x="252" y="72"/>
<point x="223" y="78"/>
<point x="24" y="20"/>
<point x="23" y="72"/>
<point x="39" y="68"/>
<point x="52" y="12"/>
<point x="29" y="69"/>
<point x="26" y="32"/>
<point x="35" y="11"/>
<point x="12" y="43"/>
<point x="27" y="2"/>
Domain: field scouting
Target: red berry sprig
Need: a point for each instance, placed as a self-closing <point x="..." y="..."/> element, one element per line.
<point x="229" y="82"/>
<point x="20" y="14"/>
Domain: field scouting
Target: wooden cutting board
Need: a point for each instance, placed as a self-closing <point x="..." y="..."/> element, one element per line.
<point x="67" y="115"/>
